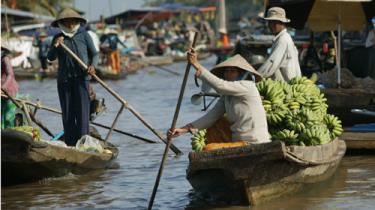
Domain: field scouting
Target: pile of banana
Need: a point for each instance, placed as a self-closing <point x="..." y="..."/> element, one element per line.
<point x="198" y="140"/>
<point x="297" y="112"/>
<point x="33" y="132"/>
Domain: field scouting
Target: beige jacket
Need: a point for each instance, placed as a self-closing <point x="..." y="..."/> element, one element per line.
<point x="283" y="64"/>
<point x="242" y="103"/>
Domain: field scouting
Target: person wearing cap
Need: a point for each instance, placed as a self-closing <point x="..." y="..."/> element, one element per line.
<point x="9" y="84"/>
<point x="110" y="39"/>
<point x="72" y="79"/>
<point x="282" y="64"/>
<point x="240" y="100"/>
<point x="43" y="44"/>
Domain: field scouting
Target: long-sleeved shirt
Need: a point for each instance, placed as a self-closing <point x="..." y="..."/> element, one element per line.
<point x="242" y="103"/>
<point x="81" y="44"/>
<point x="283" y="62"/>
<point x="8" y="82"/>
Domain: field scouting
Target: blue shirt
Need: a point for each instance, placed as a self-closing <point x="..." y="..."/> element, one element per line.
<point x="82" y="45"/>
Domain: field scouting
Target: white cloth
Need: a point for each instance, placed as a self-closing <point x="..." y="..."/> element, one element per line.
<point x="242" y="103"/>
<point x="68" y="32"/>
<point x="283" y="62"/>
<point x="370" y="41"/>
<point x="95" y="39"/>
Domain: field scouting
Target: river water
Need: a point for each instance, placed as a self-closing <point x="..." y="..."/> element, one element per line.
<point x="154" y="94"/>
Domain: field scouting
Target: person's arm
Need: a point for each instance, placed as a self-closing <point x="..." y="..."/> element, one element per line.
<point x="275" y="59"/>
<point x="9" y="72"/>
<point x="236" y="88"/>
<point x="52" y="53"/>
<point x="222" y="87"/>
<point x="204" y="122"/>
<point x="211" y="116"/>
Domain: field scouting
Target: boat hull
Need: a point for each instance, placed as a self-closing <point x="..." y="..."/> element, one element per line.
<point x="24" y="160"/>
<point x="258" y="173"/>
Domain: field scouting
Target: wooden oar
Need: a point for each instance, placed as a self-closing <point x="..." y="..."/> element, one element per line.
<point x="164" y="69"/>
<point x="121" y="100"/>
<point x="53" y="110"/>
<point x="169" y="138"/>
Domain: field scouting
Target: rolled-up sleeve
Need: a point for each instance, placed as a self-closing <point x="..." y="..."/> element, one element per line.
<point x="236" y="88"/>
<point x="274" y="61"/>
<point x="211" y="116"/>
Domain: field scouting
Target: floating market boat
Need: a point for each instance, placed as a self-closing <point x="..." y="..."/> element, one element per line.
<point x="360" y="137"/>
<point x="106" y="73"/>
<point x="342" y="101"/>
<point x="33" y="73"/>
<point x="156" y="60"/>
<point x="25" y="160"/>
<point x="201" y="56"/>
<point x="256" y="173"/>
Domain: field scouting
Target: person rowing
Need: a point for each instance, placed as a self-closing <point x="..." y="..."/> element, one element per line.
<point x="234" y="79"/>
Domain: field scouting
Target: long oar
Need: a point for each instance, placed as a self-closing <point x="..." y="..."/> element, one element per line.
<point x="119" y="98"/>
<point x="169" y="138"/>
<point x="164" y="69"/>
<point x="53" y="110"/>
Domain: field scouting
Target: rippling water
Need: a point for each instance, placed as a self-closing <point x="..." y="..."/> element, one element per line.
<point x="154" y="94"/>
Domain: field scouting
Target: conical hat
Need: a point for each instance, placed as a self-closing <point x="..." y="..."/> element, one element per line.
<point x="235" y="61"/>
<point x="68" y="13"/>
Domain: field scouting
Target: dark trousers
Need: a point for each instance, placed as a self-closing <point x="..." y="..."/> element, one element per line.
<point x="75" y="106"/>
<point x="43" y="62"/>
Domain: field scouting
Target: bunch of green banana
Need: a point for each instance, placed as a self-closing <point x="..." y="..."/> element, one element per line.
<point x="334" y="125"/>
<point x="301" y="80"/>
<point x="315" y="135"/>
<point x="271" y="91"/>
<point x="198" y="140"/>
<point x="288" y="136"/>
<point x="298" y="108"/>
<point x="277" y="113"/>
<point x="33" y="132"/>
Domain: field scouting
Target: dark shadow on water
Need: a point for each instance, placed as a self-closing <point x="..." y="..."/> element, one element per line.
<point x="60" y="191"/>
<point x="309" y="197"/>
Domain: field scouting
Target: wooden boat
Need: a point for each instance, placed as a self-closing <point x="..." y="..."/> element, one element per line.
<point x="342" y="101"/>
<point x="359" y="140"/>
<point x="257" y="173"/>
<point x="106" y="73"/>
<point x="25" y="160"/>
<point x="201" y="56"/>
<point x="156" y="60"/>
<point x="30" y="74"/>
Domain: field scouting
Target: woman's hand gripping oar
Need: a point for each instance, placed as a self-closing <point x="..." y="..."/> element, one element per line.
<point x="169" y="137"/>
<point x="120" y="99"/>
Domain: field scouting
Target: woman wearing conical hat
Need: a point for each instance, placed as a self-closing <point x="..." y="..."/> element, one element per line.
<point x="240" y="100"/>
<point x="72" y="80"/>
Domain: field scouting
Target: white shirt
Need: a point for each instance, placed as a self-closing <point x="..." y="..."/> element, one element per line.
<point x="283" y="62"/>
<point x="370" y="41"/>
<point x="95" y="39"/>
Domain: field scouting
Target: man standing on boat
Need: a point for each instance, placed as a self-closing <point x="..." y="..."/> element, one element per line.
<point x="240" y="100"/>
<point x="72" y="80"/>
<point x="283" y="62"/>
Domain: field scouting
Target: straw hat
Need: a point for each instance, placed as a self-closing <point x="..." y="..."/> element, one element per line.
<point x="276" y="13"/>
<point x="235" y="61"/>
<point x="66" y="14"/>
